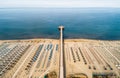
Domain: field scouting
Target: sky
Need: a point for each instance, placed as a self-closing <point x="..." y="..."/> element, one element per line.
<point x="59" y="3"/>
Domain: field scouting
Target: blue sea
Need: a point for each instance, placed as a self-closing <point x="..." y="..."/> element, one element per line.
<point x="87" y="23"/>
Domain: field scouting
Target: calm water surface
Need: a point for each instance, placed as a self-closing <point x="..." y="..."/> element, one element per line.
<point x="88" y="23"/>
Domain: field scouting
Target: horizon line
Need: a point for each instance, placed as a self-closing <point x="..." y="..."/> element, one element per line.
<point x="55" y="7"/>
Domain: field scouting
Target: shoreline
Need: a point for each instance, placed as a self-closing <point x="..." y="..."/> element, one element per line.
<point x="66" y="40"/>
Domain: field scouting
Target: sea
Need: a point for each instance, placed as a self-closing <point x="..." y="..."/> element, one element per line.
<point x="79" y="23"/>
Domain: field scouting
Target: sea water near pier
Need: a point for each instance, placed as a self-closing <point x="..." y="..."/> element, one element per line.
<point x="88" y="23"/>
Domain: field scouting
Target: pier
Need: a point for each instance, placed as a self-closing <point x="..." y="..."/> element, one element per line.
<point x="61" y="62"/>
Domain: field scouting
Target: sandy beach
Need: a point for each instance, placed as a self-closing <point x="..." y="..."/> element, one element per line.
<point x="39" y="58"/>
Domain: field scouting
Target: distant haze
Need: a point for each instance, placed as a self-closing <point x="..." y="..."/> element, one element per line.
<point x="59" y="3"/>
